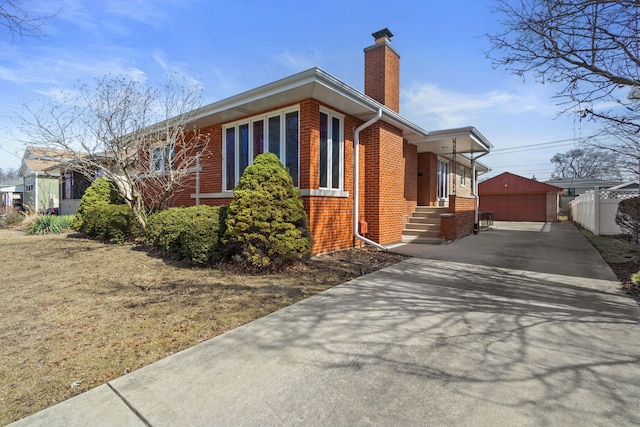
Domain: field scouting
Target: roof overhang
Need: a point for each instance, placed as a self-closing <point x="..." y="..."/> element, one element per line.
<point x="322" y="86"/>
<point x="459" y="140"/>
<point x="313" y="83"/>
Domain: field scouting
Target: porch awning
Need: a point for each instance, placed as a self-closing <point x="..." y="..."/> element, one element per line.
<point x="467" y="140"/>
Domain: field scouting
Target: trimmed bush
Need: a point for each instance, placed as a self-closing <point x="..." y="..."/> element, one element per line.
<point x="193" y="233"/>
<point x="100" y="193"/>
<point x="628" y="216"/>
<point x="50" y="224"/>
<point x="113" y="223"/>
<point x="267" y="226"/>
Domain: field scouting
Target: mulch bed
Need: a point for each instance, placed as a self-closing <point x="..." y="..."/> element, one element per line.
<point x="623" y="271"/>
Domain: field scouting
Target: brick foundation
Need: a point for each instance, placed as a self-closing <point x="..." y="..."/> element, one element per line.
<point x="460" y="219"/>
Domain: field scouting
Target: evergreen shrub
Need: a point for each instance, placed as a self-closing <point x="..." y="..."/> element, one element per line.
<point x="192" y="233"/>
<point x="267" y="226"/>
<point x="113" y="223"/>
<point x="101" y="192"/>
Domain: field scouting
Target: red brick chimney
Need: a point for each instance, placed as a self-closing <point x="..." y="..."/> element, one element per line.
<point x="382" y="71"/>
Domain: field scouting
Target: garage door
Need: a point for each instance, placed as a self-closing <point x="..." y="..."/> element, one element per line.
<point x="515" y="207"/>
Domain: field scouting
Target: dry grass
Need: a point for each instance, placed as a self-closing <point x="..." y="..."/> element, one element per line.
<point x="76" y="313"/>
<point x="622" y="256"/>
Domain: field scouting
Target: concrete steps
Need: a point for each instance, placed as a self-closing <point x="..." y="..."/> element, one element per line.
<point x="424" y="225"/>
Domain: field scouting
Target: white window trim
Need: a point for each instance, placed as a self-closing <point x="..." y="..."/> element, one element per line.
<point x="153" y="170"/>
<point x="463" y="177"/>
<point x="250" y="121"/>
<point x="332" y="190"/>
<point x="29" y="184"/>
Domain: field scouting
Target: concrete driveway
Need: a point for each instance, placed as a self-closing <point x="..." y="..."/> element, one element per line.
<point x="520" y="326"/>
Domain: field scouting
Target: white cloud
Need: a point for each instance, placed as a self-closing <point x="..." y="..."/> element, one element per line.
<point x="445" y="108"/>
<point x="294" y="62"/>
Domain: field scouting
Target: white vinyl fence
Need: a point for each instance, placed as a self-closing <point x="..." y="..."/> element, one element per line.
<point x="596" y="210"/>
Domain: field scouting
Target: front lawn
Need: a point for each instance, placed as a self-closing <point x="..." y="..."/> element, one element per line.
<point x="76" y="313"/>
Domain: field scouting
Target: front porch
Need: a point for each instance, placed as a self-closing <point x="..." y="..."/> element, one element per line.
<point x="435" y="224"/>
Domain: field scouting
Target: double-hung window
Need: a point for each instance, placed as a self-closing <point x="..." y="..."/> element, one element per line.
<point x="162" y="159"/>
<point x="331" y="150"/>
<point x="276" y="132"/>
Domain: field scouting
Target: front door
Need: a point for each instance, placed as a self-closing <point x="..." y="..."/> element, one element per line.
<point x="443" y="179"/>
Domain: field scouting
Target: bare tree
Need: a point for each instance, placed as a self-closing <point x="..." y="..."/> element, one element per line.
<point x="586" y="162"/>
<point x="8" y="175"/>
<point x="140" y="138"/>
<point x="19" y="21"/>
<point x="591" y="48"/>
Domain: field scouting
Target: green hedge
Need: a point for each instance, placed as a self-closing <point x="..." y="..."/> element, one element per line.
<point x="188" y="233"/>
<point x="112" y="223"/>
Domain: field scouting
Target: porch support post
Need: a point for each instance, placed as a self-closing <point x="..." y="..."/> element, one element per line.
<point x="455" y="167"/>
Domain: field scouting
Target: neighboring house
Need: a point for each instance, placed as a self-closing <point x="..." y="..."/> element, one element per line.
<point x="626" y="186"/>
<point x="515" y="198"/>
<point x="41" y="186"/>
<point x="326" y="133"/>
<point x="576" y="186"/>
<point x="10" y="195"/>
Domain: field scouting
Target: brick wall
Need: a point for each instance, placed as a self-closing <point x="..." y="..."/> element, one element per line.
<point x="390" y="170"/>
<point x="382" y="75"/>
<point x="459" y="222"/>
<point x="330" y="223"/>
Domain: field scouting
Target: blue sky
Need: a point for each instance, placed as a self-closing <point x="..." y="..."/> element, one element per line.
<point x="233" y="46"/>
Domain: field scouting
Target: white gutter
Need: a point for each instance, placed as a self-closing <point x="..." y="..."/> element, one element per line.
<point x="356" y="189"/>
<point x="474" y="190"/>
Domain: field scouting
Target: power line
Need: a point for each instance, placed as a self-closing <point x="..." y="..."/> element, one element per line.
<point x="541" y="144"/>
<point x="519" y="150"/>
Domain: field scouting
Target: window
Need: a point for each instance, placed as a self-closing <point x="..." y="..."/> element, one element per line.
<point x="462" y="184"/>
<point x="28" y="184"/>
<point x="331" y="150"/>
<point x="74" y="185"/>
<point x="67" y="181"/>
<point x="276" y="132"/>
<point x="162" y="159"/>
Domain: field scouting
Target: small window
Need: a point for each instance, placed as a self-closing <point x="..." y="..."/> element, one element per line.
<point x="28" y="184"/>
<point x="462" y="173"/>
<point x="162" y="159"/>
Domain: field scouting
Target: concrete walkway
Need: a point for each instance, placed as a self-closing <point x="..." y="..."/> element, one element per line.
<point x="515" y="326"/>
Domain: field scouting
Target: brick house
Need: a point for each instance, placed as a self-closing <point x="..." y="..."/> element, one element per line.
<point x="411" y="184"/>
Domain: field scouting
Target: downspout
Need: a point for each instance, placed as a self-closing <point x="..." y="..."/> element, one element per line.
<point x="356" y="173"/>
<point x="474" y="190"/>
